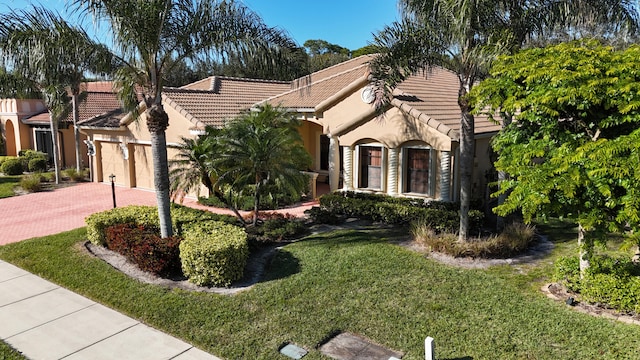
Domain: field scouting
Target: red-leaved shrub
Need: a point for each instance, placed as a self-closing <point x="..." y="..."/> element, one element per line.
<point x="143" y="246"/>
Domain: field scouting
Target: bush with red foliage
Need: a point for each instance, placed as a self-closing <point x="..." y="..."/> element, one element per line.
<point x="143" y="246"/>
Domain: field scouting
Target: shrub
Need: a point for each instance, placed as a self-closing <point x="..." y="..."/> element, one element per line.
<point x="146" y="216"/>
<point x="442" y="216"/>
<point x="143" y="246"/>
<point x="275" y="227"/>
<point x="27" y="155"/>
<point x="12" y="166"/>
<point x="213" y="253"/>
<point x="614" y="282"/>
<point x="512" y="241"/>
<point x="75" y="175"/>
<point x="37" y="165"/>
<point x="31" y="183"/>
<point x="322" y="216"/>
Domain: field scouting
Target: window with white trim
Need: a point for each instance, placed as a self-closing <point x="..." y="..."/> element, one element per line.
<point x="417" y="170"/>
<point x="370" y="167"/>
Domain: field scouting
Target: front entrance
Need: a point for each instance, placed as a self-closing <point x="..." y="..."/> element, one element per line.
<point x="44" y="143"/>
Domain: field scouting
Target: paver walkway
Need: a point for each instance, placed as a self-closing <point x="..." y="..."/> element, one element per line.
<point x="43" y="320"/>
<point x="51" y="212"/>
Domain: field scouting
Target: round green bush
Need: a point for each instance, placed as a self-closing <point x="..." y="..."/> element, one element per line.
<point x="213" y="253"/>
<point x="12" y="166"/>
<point x="38" y="165"/>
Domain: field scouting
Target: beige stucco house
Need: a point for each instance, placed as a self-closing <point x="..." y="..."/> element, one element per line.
<point x="411" y="151"/>
<point x="25" y="123"/>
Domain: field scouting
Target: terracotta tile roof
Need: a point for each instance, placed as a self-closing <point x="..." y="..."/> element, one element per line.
<point x="41" y="118"/>
<point x="310" y="91"/>
<point x="434" y="95"/>
<point x="98" y="86"/>
<point x="110" y="119"/>
<point x="95" y="103"/>
<point x="224" y="99"/>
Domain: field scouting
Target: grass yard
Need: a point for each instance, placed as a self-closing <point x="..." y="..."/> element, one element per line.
<point x="353" y="281"/>
<point x="7" y="183"/>
<point x="8" y="353"/>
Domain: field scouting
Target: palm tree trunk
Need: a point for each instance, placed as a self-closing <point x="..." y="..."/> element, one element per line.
<point x="466" y="160"/>
<point x="76" y="131"/>
<point x="256" y="204"/>
<point x="157" y="122"/>
<point x="54" y="142"/>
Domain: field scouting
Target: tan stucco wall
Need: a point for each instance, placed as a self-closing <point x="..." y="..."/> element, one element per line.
<point x="310" y="133"/>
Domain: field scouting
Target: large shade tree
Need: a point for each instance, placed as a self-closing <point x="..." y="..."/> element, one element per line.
<point x="153" y="36"/>
<point x="572" y="150"/>
<point x="54" y="56"/>
<point x="465" y="36"/>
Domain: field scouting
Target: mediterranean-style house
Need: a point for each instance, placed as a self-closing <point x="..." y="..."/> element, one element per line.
<point x="411" y="150"/>
<point x="24" y="123"/>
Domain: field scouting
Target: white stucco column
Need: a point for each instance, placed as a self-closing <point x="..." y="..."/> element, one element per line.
<point x="334" y="162"/>
<point x="392" y="178"/>
<point x="347" y="161"/>
<point x="445" y="175"/>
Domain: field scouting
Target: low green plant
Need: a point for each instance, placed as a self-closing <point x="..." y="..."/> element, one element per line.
<point x="31" y="183"/>
<point x="27" y="155"/>
<point x="37" y="165"/>
<point x="609" y="280"/>
<point x="275" y="227"/>
<point x="442" y="216"/>
<point x="75" y="175"/>
<point x="515" y="239"/>
<point x="213" y="253"/>
<point x="319" y="215"/>
<point x="12" y="166"/>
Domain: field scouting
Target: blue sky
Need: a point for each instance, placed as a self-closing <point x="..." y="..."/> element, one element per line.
<point x="348" y="23"/>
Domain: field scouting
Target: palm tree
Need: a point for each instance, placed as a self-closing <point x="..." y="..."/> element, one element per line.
<point x="154" y="35"/>
<point x="264" y="148"/>
<point x="53" y="55"/>
<point x="465" y="36"/>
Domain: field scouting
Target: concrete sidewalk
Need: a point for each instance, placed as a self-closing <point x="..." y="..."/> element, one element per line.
<point x="44" y="321"/>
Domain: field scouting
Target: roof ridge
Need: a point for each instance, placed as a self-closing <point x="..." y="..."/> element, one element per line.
<point x="334" y="66"/>
<point x="315" y="82"/>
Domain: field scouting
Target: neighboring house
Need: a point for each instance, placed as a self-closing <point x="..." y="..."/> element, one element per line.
<point x="411" y="151"/>
<point x="25" y="123"/>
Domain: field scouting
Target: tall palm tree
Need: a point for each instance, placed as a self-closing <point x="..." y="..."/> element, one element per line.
<point x="264" y="148"/>
<point x="154" y="35"/>
<point x="54" y="55"/>
<point x="465" y="36"/>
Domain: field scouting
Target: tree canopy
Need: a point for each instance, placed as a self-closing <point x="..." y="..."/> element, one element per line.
<point x="572" y="150"/>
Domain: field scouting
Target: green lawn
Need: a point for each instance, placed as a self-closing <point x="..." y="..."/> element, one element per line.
<point x="8" y="353"/>
<point x="7" y="183"/>
<point x="351" y="281"/>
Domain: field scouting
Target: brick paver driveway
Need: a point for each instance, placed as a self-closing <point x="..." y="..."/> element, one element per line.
<point x="45" y="213"/>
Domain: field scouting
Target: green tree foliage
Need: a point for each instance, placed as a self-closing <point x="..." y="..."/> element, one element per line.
<point x="323" y="54"/>
<point x="264" y="149"/>
<point x="573" y="149"/>
<point x="465" y="37"/>
<point x="256" y="153"/>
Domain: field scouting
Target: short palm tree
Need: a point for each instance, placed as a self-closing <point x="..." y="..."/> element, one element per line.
<point x="55" y="56"/>
<point x="152" y="36"/>
<point x="264" y="148"/>
<point x="465" y="36"/>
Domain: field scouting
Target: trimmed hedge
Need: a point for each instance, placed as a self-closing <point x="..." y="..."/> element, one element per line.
<point x="146" y="216"/>
<point x="12" y="166"/>
<point x="213" y="253"/>
<point x="441" y="216"/>
<point x="37" y="165"/>
<point x="143" y="246"/>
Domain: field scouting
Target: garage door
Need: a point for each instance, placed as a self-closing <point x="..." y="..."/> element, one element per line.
<point x="113" y="162"/>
